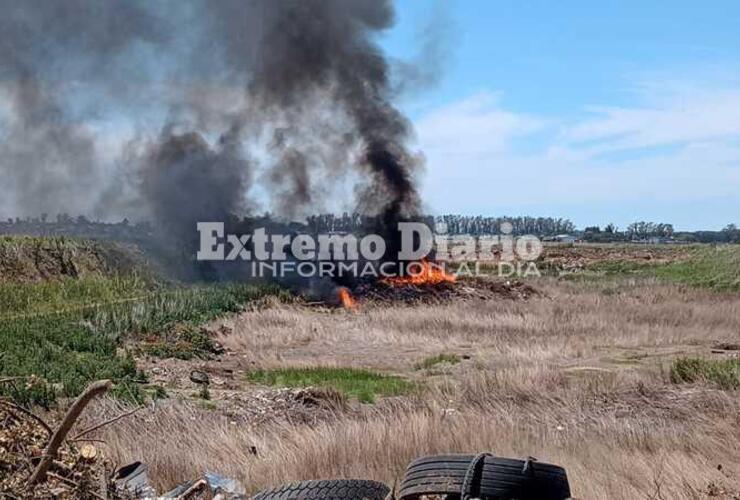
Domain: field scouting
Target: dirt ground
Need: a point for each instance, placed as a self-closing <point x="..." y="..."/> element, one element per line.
<point x="581" y="255"/>
<point x="576" y="374"/>
<point x="25" y="259"/>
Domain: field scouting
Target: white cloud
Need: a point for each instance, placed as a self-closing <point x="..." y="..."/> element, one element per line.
<point x="616" y="158"/>
<point x="679" y="117"/>
<point x="474" y="125"/>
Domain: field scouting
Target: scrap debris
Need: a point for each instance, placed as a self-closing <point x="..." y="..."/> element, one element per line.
<point x="76" y="472"/>
<point x="471" y="289"/>
<point x="38" y="461"/>
<point x="80" y="471"/>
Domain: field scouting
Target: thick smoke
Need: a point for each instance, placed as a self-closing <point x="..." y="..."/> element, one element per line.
<point x="187" y="181"/>
<point x="313" y="54"/>
<point x="301" y="85"/>
<point x="47" y="163"/>
<point x="48" y="157"/>
<point x="317" y="85"/>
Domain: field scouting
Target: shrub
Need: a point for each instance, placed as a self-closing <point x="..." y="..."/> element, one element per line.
<point x="433" y="361"/>
<point x="365" y="385"/>
<point x="724" y="373"/>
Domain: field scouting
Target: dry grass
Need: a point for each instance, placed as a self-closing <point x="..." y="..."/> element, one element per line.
<point x="578" y="377"/>
<point x="573" y="323"/>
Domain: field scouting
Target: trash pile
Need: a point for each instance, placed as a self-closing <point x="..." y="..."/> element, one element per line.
<point x="78" y="469"/>
<point x="76" y="472"/>
<point x="471" y="289"/>
<point x="41" y="461"/>
<point x="571" y="259"/>
<point x="296" y="405"/>
<point x="132" y="481"/>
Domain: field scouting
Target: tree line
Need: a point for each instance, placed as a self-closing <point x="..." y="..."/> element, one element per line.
<point x="451" y="224"/>
<point x="647" y="231"/>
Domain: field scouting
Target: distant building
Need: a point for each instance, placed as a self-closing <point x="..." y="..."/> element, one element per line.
<point x="561" y="238"/>
<point x="565" y="238"/>
<point x="659" y="240"/>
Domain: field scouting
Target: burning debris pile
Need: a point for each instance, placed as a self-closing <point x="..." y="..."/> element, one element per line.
<point x="429" y="282"/>
<point x="383" y="292"/>
<point x="427" y="273"/>
<point x="280" y="106"/>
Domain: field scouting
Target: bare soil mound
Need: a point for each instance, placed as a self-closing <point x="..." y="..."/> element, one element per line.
<point x="29" y="259"/>
<point x="578" y="257"/>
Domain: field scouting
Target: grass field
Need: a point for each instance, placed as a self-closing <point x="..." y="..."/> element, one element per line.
<point x="716" y="268"/>
<point x="579" y="377"/>
<point x="69" y="332"/>
<point x="623" y="372"/>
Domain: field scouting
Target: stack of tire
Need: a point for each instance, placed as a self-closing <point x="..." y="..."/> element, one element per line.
<point x="454" y="477"/>
<point x="339" y="489"/>
<point x="483" y="476"/>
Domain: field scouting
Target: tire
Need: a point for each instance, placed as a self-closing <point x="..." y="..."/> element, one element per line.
<point x="341" y="489"/>
<point x="491" y="478"/>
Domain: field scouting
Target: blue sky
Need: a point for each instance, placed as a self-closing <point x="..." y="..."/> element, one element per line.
<point x="597" y="111"/>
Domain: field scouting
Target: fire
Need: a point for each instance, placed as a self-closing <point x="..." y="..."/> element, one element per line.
<point x="422" y="273"/>
<point x="345" y="297"/>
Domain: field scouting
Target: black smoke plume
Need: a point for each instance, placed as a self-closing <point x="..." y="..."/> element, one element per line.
<point x="301" y="83"/>
<point x="311" y="54"/>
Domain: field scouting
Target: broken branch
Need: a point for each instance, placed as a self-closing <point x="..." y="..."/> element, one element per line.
<point x="107" y="422"/>
<point x="94" y="389"/>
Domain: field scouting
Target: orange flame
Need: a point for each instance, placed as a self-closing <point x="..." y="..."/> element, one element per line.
<point x="345" y="297"/>
<point x="422" y="273"/>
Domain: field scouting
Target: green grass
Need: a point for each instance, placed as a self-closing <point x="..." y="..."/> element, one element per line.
<point x="433" y="361"/>
<point x="361" y="384"/>
<point x="18" y="299"/>
<point x="715" y="268"/>
<point x="191" y="305"/>
<point x="64" y="352"/>
<point x="724" y="373"/>
<point x="70" y="332"/>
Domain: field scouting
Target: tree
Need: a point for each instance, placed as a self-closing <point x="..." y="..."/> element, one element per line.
<point x="731" y="233"/>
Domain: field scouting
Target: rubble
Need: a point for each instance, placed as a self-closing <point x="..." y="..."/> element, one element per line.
<point x="433" y="293"/>
<point x="298" y="405"/>
<point x="73" y="474"/>
<point x="199" y="377"/>
<point x="572" y="259"/>
<point x="79" y="471"/>
<point x="132" y="481"/>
